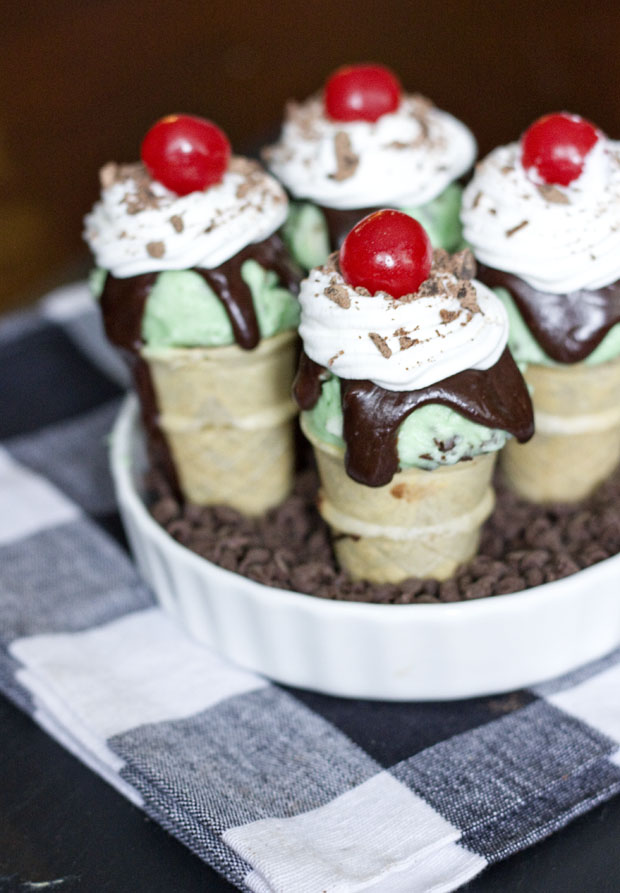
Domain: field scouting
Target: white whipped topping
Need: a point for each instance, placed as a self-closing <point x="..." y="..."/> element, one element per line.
<point x="558" y="239"/>
<point x="405" y="158"/>
<point x="371" y="338"/>
<point x="130" y="234"/>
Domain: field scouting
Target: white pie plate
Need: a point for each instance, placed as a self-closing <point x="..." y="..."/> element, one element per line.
<point x="391" y="652"/>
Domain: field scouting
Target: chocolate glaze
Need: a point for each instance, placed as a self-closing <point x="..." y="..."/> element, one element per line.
<point x="495" y="397"/>
<point x="340" y="222"/>
<point x="123" y="302"/>
<point x="567" y="326"/>
<point x="122" y="306"/>
<point x="228" y="284"/>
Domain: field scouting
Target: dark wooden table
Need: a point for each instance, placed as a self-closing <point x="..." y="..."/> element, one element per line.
<point x="62" y="826"/>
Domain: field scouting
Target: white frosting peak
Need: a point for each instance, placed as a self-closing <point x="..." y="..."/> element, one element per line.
<point x="557" y="238"/>
<point x="139" y="226"/>
<point x="401" y="344"/>
<point x="404" y="159"/>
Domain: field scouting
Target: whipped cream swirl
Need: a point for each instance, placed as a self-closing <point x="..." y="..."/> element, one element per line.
<point x="558" y="239"/>
<point x="140" y="226"/>
<point x="404" y="159"/>
<point x="449" y="325"/>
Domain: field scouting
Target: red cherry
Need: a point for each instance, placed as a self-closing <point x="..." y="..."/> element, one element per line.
<point x="185" y="153"/>
<point x="387" y="251"/>
<point x="554" y="148"/>
<point x="361" y="93"/>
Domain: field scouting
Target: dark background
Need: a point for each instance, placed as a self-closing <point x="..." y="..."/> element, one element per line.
<point x="82" y="80"/>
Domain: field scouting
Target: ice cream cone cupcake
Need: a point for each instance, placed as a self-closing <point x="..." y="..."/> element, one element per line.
<point x="363" y="144"/>
<point x="196" y="289"/>
<point x="408" y="391"/>
<point x="543" y="218"/>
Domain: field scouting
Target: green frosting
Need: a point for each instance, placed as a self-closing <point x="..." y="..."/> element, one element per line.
<point x="306" y="235"/>
<point x="525" y="349"/>
<point x="430" y="436"/>
<point x="182" y="311"/>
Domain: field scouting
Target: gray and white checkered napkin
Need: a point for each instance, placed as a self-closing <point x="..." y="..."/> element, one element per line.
<point x="279" y="790"/>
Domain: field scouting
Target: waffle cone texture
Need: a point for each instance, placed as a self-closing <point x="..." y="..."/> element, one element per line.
<point x="576" y="444"/>
<point x="227" y="415"/>
<point x="421" y="524"/>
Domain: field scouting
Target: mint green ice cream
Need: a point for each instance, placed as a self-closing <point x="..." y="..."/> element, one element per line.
<point x="306" y="235"/>
<point x="430" y="436"/>
<point x="182" y="311"/>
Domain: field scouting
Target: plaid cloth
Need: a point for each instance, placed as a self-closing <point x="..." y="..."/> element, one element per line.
<point x="278" y="789"/>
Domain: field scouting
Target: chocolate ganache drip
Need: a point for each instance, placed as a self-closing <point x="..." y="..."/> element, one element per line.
<point x="341" y="221"/>
<point x="228" y="284"/>
<point x="122" y="306"/>
<point x="123" y="300"/>
<point x="567" y="326"/>
<point x="495" y="397"/>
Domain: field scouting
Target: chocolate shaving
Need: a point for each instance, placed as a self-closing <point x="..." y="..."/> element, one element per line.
<point x="429" y="289"/>
<point x="551" y="193"/>
<point x="346" y="159"/>
<point x="445" y="445"/>
<point x="441" y="261"/>
<point x="141" y="195"/>
<point x="156" y="249"/>
<point x="515" y="229"/>
<point x="405" y="341"/>
<point x="177" y="223"/>
<point x="449" y="315"/>
<point x="468" y="298"/>
<point x="339" y="295"/>
<point x="381" y="344"/>
<point x="462" y="264"/>
<point x="305" y="116"/>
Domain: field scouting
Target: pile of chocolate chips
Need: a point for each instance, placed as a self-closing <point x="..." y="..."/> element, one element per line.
<point x="522" y="545"/>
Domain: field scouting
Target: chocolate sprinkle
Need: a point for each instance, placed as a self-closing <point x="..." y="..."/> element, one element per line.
<point x="552" y="194"/>
<point x="339" y="295"/>
<point x="515" y="229"/>
<point x="346" y="159"/>
<point x="156" y="249"/>
<point x="381" y="344"/>
<point x="522" y="545"/>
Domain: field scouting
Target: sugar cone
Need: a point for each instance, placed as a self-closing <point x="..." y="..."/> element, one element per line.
<point x="577" y="439"/>
<point x="421" y="524"/>
<point x="227" y="416"/>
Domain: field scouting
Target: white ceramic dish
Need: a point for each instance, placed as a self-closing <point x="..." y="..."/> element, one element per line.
<point x="392" y="652"/>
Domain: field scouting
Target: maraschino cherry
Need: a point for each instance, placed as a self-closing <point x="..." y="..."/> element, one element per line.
<point x="554" y="148"/>
<point x="361" y="93"/>
<point x="185" y="153"/>
<point x="387" y="251"/>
